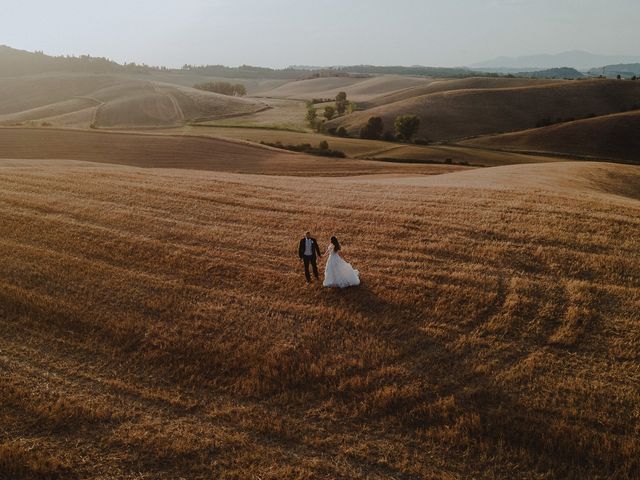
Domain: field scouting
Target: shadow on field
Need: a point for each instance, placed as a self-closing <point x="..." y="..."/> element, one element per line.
<point x="446" y="386"/>
<point x="361" y="299"/>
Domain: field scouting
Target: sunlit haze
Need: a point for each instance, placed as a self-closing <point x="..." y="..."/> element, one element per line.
<point x="323" y="32"/>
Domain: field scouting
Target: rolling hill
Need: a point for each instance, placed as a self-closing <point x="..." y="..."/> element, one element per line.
<point x="452" y="115"/>
<point x="450" y="85"/>
<point x="15" y="63"/>
<point x="155" y="323"/>
<point x="186" y="152"/>
<point x="615" y="137"/>
<point x="600" y="179"/>
<point x="561" y="72"/>
<point x="357" y="89"/>
<point x="82" y="100"/>
<point x="623" y="69"/>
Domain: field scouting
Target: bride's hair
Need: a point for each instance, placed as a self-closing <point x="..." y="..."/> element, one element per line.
<point x="336" y="245"/>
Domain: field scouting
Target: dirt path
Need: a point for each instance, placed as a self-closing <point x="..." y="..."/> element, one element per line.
<point x="176" y="106"/>
<point x="374" y="153"/>
<point x="99" y="105"/>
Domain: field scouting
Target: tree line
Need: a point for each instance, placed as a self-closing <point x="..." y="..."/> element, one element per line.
<point x="224" y="88"/>
<point x="406" y="127"/>
<point x="341" y="106"/>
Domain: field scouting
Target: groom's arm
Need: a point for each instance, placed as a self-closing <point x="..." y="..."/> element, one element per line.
<point x="301" y="249"/>
<point x="315" y="243"/>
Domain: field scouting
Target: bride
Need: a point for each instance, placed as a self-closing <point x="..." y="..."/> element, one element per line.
<point x="337" y="272"/>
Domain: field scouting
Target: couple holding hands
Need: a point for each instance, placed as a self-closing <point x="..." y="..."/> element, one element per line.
<point x="337" y="272"/>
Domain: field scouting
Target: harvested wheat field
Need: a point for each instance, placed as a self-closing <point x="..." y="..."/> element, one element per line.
<point x="614" y="137"/>
<point x="187" y="152"/>
<point x="357" y="89"/>
<point x="370" y="149"/>
<point x="458" y="114"/>
<point x="110" y="101"/>
<point x="456" y="154"/>
<point x="155" y="324"/>
<point x="450" y="85"/>
<point x="279" y="114"/>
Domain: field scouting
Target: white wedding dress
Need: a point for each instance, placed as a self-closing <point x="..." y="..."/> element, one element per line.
<point x="338" y="273"/>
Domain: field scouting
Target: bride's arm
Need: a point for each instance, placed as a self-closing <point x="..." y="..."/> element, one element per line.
<point x="329" y="248"/>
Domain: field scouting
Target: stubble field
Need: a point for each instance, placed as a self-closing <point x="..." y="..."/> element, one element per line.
<point x="192" y="152"/>
<point x="155" y="324"/>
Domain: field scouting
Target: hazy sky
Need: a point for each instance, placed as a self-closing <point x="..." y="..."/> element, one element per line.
<point x="321" y="32"/>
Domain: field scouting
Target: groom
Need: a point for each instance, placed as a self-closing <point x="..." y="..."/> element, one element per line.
<point x="307" y="252"/>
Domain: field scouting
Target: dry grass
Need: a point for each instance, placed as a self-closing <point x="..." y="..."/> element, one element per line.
<point x="282" y="114"/>
<point x="459" y="114"/>
<point x="187" y="152"/>
<point x="600" y="179"/>
<point x="455" y="153"/>
<point x="353" y="147"/>
<point x="450" y="85"/>
<point x="357" y="89"/>
<point x="111" y="101"/>
<point x="611" y="136"/>
<point x="18" y="94"/>
<point x="156" y="325"/>
<point x="189" y="79"/>
<point x="369" y="149"/>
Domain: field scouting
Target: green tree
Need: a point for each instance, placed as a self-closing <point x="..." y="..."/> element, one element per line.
<point x="329" y="112"/>
<point x="341" y="102"/>
<point x="224" y="88"/>
<point x="407" y="126"/>
<point x="312" y="116"/>
<point x="373" y="129"/>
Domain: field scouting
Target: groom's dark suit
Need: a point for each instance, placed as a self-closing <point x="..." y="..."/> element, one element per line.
<point x="303" y="253"/>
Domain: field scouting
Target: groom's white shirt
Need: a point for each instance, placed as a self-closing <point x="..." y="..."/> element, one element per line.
<point x="307" y="247"/>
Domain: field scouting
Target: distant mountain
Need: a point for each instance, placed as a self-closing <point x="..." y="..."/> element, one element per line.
<point x="577" y="59"/>
<point x="563" y="72"/>
<point x="623" y="69"/>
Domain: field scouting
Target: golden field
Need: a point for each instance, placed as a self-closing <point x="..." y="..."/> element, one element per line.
<point x="368" y="149"/>
<point x="461" y="113"/>
<point x="110" y="101"/>
<point x="155" y="324"/>
<point x="357" y="89"/>
<point x="452" y="85"/>
<point x="615" y="136"/>
<point x="188" y="152"/>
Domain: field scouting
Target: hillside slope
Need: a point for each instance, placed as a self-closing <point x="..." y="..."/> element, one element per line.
<point x="466" y="113"/>
<point x="156" y="324"/>
<point x="110" y="101"/>
<point x="186" y="152"/>
<point x="598" y="179"/>
<point x="357" y="89"/>
<point x="449" y="85"/>
<point x="612" y="136"/>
